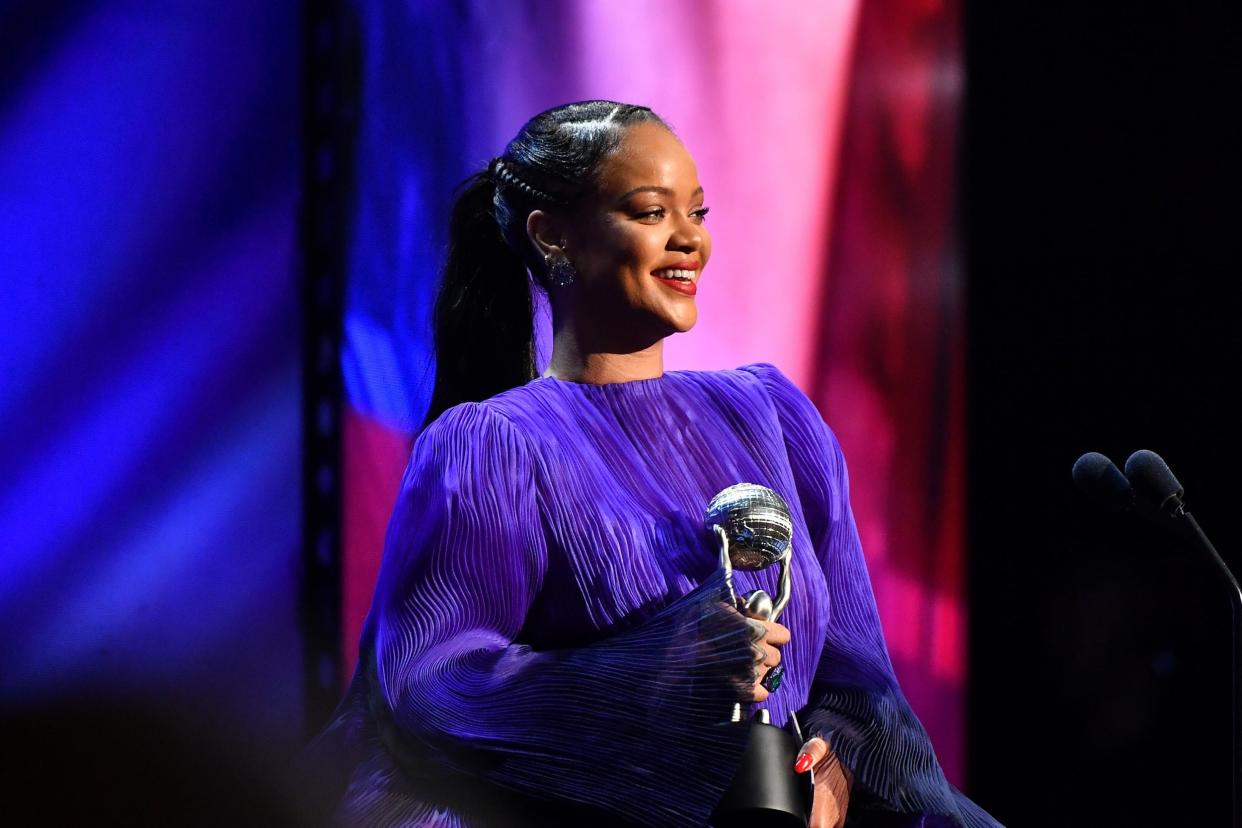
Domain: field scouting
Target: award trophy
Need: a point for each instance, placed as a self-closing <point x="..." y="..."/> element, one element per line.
<point x="755" y="531"/>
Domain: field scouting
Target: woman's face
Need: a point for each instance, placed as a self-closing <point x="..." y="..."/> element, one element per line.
<point x="639" y="243"/>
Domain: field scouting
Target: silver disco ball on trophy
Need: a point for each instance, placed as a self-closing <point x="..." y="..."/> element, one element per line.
<point x="755" y="531"/>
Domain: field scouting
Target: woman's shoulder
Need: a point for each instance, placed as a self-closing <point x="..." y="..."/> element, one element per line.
<point x="794" y="408"/>
<point x="768" y="374"/>
<point x="469" y="428"/>
<point x="517" y="419"/>
<point x="800" y="420"/>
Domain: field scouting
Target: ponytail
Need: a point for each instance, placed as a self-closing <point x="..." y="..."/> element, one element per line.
<point x="484" y="330"/>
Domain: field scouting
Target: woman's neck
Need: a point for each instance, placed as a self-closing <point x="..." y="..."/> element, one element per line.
<point x="576" y="360"/>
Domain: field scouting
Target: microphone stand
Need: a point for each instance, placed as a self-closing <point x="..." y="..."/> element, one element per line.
<point x="1185" y="521"/>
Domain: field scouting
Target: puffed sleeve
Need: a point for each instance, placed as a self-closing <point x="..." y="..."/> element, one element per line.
<point x="855" y="702"/>
<point x="622" y="725"/>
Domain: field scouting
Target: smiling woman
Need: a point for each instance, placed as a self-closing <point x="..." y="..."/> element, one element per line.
<point x="548" y="641"/>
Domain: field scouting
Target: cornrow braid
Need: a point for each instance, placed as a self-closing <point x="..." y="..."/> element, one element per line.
<point x="505" y="172"/>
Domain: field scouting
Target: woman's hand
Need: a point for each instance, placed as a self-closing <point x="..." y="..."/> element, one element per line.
<point x="769" y="635"/>
<point x="832" y="783"/>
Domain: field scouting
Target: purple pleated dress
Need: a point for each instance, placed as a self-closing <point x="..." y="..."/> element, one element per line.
<point x="547" y="643"/>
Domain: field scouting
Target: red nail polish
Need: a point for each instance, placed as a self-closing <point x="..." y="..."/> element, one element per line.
<point x="803" y="764"/>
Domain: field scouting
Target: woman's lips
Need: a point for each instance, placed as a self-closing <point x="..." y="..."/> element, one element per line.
<point x="689" y="287"/>
<point x="681" y="276"/>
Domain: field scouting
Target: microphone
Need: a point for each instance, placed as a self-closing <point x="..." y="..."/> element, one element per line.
<point x="1103" y="482"/>
<point x="1155" y="483"/>
<point x="1160" y="493"/>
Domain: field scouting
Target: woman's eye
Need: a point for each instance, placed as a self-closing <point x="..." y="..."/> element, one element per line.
<point x="652" y="216"/>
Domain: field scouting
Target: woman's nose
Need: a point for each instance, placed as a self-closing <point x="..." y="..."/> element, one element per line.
<point x="687" y="235"/>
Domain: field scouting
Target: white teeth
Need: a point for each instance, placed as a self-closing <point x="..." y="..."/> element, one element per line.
<point x="679" y="275"/>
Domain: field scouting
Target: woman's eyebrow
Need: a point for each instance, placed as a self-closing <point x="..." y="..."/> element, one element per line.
<point x="653" y="189"/>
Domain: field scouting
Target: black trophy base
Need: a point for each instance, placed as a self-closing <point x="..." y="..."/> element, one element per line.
<point x="766" y="790"/>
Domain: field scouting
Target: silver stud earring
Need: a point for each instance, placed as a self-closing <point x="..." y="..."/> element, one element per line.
<point x="561" y="271"/>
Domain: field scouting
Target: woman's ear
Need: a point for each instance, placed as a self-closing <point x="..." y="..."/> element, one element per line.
<point x="545" y="234"/>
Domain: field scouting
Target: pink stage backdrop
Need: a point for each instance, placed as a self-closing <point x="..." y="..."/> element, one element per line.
<point x="824" y="135"/>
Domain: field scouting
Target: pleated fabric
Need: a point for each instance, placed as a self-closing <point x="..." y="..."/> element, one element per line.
<point x="547" y="642"/>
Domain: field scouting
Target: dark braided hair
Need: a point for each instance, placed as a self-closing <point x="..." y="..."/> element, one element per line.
<point x="484" y="329"/>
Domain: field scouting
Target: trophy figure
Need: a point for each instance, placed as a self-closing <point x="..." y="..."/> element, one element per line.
<point x="755" y="532"/>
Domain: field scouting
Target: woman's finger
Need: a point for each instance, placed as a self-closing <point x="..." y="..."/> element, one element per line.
<point x="778" y="634"/>
<point x="770" y="631"/>
<point x="812" y="753"/>
<point x="768" y="656"/>
<point x="758" y="630"/>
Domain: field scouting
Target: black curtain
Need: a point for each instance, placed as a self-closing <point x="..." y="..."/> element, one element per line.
<point x="1100" y="192"/>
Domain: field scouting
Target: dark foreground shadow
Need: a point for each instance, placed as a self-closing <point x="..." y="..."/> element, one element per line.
<point x="92" y="763"/>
